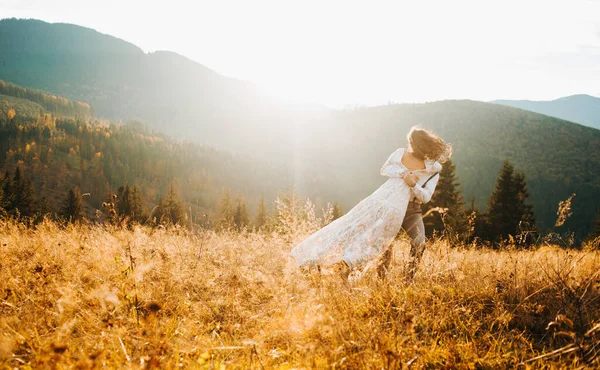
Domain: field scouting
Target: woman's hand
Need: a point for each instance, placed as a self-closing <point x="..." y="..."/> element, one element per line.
<point x="410" y="179"/>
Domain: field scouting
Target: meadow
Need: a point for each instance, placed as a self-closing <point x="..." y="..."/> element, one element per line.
<point x="101" y="296"/>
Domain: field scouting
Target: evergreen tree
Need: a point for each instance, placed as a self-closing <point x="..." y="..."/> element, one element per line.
<point x="448" y="197"/>
<point x="596" y="228"/>
<point x="124" y="201"/>
<point x="3" y="198"/>
<point x="6" y="191"/>
<point x="23" y="200"/>
<point x="525" y="210"/>
<point x="72" y="209"/>
<point x="226" y="210"/>
<point x="527" y="230"/>
<point x="136" y="205"/>
<point x="507" y="206"/>
<point x="170" y="209"/>
<point x="476" y="224"/>
<point x="44" y="207"/>
<point x="129" y="203"/>
<point x="261" y="217"/>
<point x="240" y="216"/>
<point x="337" y="211"/>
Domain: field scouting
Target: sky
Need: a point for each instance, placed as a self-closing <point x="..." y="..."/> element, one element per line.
<point x="349" y="53"/>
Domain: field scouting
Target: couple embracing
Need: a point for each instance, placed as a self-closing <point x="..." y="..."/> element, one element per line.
<point x="368" y="229"/>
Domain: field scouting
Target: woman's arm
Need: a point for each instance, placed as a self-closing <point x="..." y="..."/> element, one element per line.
<point x="391" y="168"/>
<point x="424" y="194"/>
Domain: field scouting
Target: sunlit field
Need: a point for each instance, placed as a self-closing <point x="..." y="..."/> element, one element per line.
<point x="100" y="296"/>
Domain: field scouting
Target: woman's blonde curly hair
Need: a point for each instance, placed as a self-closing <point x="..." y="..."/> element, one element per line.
<point x="427" y="145"/>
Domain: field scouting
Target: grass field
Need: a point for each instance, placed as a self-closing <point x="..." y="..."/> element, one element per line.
<point x="95" y="296"/>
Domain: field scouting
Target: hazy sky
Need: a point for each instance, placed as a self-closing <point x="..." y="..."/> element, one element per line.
<point x="363" y="52"/>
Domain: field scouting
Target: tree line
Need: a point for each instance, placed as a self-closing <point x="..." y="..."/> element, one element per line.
<point x="52" y="103"/>
<point x="18" y="200"/>
<point x="509" y="216"/>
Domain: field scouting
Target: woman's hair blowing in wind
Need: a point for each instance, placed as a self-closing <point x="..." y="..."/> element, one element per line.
<point x="427" y="145"/>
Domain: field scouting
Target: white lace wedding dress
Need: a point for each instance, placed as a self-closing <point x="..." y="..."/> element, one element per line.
<point x="368" y="228"/>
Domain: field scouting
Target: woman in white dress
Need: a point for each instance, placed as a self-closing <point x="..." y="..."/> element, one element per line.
<point x="370" y="227"/>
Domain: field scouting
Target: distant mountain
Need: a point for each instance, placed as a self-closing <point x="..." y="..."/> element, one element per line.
<point x="582" y="109"/>
<point x="164" y="89"/>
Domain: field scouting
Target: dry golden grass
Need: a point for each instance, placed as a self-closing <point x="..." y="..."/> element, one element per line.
<point x="92" y="296"/>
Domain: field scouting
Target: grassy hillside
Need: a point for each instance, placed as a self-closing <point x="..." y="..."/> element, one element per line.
<point x="583" y="109"/>
<point x="22" y="107"/>
<point x="99" y="297"/>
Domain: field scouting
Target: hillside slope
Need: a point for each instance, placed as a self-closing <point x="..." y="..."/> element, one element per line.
<point x="57" y="154"/>
<point x="49" y="103"/>
<point x="22" y="107"/>
<point x="164" y="89"/>
<point x="582" y="109"/>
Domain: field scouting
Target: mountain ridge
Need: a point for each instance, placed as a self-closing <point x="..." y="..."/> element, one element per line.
<point x="583" y="109"/>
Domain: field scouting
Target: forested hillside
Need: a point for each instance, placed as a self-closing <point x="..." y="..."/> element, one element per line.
<point x="46" y="102"/>
<point x="120" y="81"/>
<point x="56" y="155"/>
<point x="26" y="108"/>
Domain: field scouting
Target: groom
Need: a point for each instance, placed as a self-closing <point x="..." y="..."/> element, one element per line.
<point x="413" y="226"/>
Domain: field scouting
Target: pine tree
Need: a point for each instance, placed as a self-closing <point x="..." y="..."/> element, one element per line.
<point x="124" y="201"/>
<point x="595" y="233"/>
<point x="136" y="205"/>
<point x="226" y="211"/>
<point x="23" y="200"/>
<point x="526" y="228"/>
<point x="507" y="205"/>
<point x="129" y="203"/>
<point x="170" y="209"/>
<point x="3" y="192"/>
<point x="6" y="191"/>
<point x="72" y="209"/>
<point x="261" y="217"/>
<point x="524" y="209"/>
<point x="44" y="207"/>
<point x="448" y="199"/>
<point x="337" y="211"/>
<point x="240" y="216"/>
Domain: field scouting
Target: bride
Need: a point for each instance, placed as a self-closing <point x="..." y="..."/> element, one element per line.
<point x="371" y="226"/>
